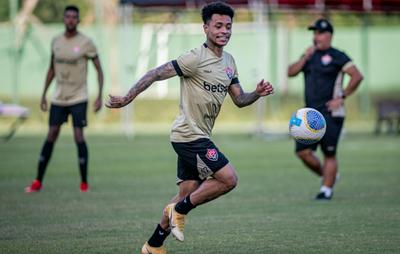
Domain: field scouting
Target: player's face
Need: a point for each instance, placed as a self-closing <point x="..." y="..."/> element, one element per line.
<point x="218" y="30"/>
<point x="71" y="20"/>
<point x="322" y="40"/>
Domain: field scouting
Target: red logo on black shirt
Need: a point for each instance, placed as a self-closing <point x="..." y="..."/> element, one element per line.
<point x="212" y="154"/>
<point x="326" y="59"/>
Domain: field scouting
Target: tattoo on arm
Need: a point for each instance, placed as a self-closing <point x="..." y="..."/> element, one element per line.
<point x="240" y="98"/>
<point x="162" y="72"/>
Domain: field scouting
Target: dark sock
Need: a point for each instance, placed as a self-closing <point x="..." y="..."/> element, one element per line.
<point x="83" y="160"/>
<point x="158" y="237"/>
<point x="184" y="206"/>
<point x="44" y="158"/>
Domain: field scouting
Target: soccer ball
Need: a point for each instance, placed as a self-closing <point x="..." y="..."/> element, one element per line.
<point x="307" y="126"/>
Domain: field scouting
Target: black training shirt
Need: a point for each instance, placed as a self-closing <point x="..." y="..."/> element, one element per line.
<point x="322" y="72"/>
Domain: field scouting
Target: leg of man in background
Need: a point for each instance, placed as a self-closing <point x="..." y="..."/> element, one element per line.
<point x="328" y="171"/>
<point x="329" y="145"/>
<point x="311" y="161"/>
<point x="329" y="177"/>
<point x="45" y="155"/>
<point x="82" y="157"/>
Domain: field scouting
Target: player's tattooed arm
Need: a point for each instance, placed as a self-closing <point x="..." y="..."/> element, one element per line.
<point x="162" y="72"/>
<point x="242" y="99"/>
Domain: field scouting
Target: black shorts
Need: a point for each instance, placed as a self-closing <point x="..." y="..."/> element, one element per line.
<point x="198" y="159"/>
<point x="59" y="114"/>
<point x="331" y="138"/>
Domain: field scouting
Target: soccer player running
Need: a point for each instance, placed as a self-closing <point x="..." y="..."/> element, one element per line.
<point x="207" y="74"/>
<point x="70" y="52"/>
<point x="324" y="67"/>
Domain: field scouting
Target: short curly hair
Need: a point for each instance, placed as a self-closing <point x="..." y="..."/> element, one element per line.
<point x="71" y="8"/>
<point x="216" y="8"/>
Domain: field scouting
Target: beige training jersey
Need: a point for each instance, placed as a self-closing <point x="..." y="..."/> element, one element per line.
<point x="205" y="79"/>
<point x="70" y="65"/>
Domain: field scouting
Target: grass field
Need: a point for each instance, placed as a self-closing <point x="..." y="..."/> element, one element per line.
<point x="271" y="210"/>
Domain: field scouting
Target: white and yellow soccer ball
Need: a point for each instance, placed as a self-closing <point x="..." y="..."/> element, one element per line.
<point x="307" y="126"/>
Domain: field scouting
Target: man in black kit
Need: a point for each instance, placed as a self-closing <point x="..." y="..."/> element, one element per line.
<point x="324" y="68"/>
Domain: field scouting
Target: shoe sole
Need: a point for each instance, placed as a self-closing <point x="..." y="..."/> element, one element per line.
<point x="145" y="250"/>
<point x="30" y="190"/>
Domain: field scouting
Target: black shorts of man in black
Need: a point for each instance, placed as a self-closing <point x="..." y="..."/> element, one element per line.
<point x="331" y="138"/>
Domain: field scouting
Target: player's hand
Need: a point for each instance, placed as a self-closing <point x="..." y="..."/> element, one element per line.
<point x="334" y="103"/>
<point x="43" y="104"/>
<point x="264" y="88"/>
<point x="97" y="104"/>
<point x="117" y="101"/>
<point x="309" y="52"/>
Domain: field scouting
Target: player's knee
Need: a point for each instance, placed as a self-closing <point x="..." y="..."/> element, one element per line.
<point x="304" y="154"/>
<point x="79" y="139"/>
<point x="53" y="134"/>
<point x="78" y="136"/>
<point x="51" y="138"/>
<point x="231" y="182"/>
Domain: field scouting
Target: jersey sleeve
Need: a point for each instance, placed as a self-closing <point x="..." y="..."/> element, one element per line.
<point x="90" y="49"/>
<point x="187" y="64"/>
<point x="235" y="79"/>
<point x="345" y="61"/>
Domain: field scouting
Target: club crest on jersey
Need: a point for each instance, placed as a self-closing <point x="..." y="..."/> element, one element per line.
<point x="212" y="154"/>
<point x="229" y="72"/>
<point x="76" y="49"/>
<point x="326" y="59"/>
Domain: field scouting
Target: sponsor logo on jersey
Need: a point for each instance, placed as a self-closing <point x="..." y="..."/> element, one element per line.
<point x="66" y="61"/>
<point x="212" y="154"/>
<point x="76" y="49"/>
<point x="326" y="59"/>
<point x="229" y="72"/>
<point x="220" y="88"/>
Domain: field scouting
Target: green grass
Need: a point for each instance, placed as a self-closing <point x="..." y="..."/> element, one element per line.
<point x="271" y="210"/>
